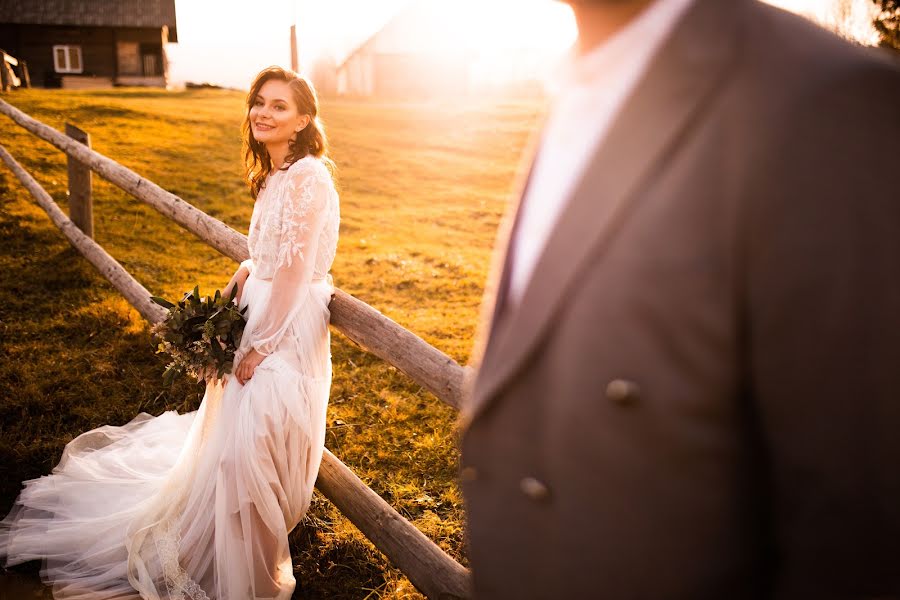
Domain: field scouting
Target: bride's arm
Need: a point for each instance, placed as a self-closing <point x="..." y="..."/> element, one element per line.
<point x="302" y="221"/>
<point x="238" y="279"/>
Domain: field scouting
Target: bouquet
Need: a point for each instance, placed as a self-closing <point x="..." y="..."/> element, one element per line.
<point x="200" y="335"/>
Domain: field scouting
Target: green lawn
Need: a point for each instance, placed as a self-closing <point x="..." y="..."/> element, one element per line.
<point x="423" y="187"/>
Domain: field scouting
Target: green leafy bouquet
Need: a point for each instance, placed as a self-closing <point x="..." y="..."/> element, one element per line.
<point x="200" y="335"/>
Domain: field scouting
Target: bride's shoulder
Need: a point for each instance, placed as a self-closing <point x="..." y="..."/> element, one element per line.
<point x="309" y="172"/>
<point x="310" y="177"/>
<point x="309" y="164"/>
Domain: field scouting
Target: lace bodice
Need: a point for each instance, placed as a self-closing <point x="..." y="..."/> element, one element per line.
<point x="292" y="241"/>
<point x="283" y="215"/>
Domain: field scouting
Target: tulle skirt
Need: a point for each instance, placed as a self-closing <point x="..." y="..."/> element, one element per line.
<point x="196" y="505"/>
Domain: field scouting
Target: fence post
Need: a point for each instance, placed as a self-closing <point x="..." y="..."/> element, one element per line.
<point x="26" y="78"/>
<point x="81" y="201"/>
<point x="5" y="80"/>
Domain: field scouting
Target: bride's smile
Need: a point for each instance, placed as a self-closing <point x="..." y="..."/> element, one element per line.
<point x="275" y="118"/>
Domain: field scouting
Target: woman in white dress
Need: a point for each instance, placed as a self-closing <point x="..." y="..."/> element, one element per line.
<point x="199" y="505"/>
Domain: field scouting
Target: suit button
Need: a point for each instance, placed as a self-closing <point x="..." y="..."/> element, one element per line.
<point x="534" y="489"/>
<point x="468" y="474"/>
<point x="622" y="391"/>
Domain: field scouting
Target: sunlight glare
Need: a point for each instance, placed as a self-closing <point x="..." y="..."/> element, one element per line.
<point x="229" y="41"/>
<point x="498" y="39"/>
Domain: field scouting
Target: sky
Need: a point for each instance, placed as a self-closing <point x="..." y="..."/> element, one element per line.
<point x="226" y="42"/>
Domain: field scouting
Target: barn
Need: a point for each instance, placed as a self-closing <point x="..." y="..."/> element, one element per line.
<point x="90" y="43"/>
<point x="412" y="56"/>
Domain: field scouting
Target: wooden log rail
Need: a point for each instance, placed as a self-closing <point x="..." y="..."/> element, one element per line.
<point x="136" y="294"/>
<point x="428" y="567"/>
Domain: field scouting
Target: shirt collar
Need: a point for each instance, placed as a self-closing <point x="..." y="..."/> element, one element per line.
<point x="630" y="47"/>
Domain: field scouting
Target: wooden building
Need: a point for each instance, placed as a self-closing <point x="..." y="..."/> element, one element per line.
<point x="90" y="43"/>
<point x="413" y="56"/>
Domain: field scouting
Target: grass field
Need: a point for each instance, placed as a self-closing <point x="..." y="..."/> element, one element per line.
<point x="423" y="187"/>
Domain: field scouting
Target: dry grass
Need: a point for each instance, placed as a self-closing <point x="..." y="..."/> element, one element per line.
<point x="422" y="187"/>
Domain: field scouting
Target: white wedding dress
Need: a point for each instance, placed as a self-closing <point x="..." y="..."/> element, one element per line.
<point x="199" y="505"/>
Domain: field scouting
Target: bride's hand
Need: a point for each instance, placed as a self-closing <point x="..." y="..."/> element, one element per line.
<point x="248" y="365"/>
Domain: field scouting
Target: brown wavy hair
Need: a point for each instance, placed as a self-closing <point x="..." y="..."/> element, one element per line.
<point x="310" y="140"/>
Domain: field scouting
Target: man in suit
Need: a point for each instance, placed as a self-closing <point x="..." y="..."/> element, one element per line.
<point x="689" y="386"/>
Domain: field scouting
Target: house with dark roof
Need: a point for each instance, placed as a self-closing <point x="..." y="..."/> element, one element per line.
<point x="90" y="43"/>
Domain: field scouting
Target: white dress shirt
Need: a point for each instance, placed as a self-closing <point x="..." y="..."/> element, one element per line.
<point x="588" y="94"/>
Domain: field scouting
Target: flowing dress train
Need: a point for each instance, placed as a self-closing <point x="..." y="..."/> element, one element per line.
<point x="199" y="505"/>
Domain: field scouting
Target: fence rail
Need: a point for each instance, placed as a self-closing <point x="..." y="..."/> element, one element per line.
<point x="428" y="567"/>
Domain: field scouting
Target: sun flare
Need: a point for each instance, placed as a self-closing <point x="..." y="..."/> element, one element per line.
<point x="498" y="39"/>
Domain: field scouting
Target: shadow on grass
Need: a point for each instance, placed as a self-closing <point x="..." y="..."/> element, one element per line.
<point x="77" y="356"/>
<point x="19" y="585"/>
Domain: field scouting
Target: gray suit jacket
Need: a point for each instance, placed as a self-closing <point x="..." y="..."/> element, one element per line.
<point x="699" y="395"/>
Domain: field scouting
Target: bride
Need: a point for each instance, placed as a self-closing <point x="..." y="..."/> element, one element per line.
<point x="199" y="505"/>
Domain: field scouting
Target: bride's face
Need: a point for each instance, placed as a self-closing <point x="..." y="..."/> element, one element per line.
<point x="274" y="116"/>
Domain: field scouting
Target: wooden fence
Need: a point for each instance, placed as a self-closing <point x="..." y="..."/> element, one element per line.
<point x="8" y="78"/>
<point x="428" y="567"/>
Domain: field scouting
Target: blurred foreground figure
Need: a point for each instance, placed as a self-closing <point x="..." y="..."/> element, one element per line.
<point x="689" y="386"/>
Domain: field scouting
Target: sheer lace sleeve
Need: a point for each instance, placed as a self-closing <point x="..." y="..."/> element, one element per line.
<point x="249" y="264"/>
<point x="303" y="217"/>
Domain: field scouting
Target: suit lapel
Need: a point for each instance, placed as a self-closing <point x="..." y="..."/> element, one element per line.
<point x="670" y="95"/>
<point x="497" y="284"/>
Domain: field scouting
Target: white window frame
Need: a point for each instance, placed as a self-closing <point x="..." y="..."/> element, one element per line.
<point x="67" y="49"/>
